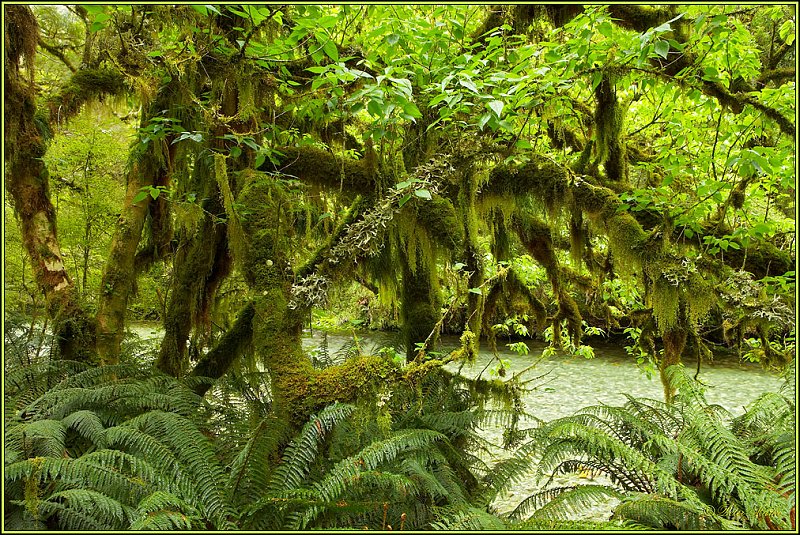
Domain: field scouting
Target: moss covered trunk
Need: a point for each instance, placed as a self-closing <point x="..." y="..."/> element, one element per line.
<point x="674" y="342"/>
<point x="149" y="165"/>
<point x="27" y="182"/>
<point x="119" y="273"/>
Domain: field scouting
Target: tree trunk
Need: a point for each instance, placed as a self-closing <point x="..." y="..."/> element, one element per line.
<point x="119" y="272"/>
<point x="27" y="182"/>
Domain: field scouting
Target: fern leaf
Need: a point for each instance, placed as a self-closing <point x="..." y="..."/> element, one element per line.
<point x="88" y="425"/>
<point x="298" y="456"/>
<point x="105" y="509"/>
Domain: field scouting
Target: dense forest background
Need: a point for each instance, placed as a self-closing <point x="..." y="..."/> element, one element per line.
<point x="239" y="174"/>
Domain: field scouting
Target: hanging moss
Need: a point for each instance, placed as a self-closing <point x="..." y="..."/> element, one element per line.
<point x="421" y="300"/>
<point x="501" y="239"/>
<point x="21" y="32"/>
<point x="577" y="237"/>
<point x="541" y="177"/>
<point x="665" y="301"/>
<point x="438" y="216"/>
<point x="236" y="238"/>
<point x="609" y="118"/>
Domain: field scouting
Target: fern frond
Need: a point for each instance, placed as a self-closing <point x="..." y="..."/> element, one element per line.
<point x="549" y="524"/>
<point x="40" y="438"/>
<point x="88" y="425"/>
<point x="250" y="470"/>
<point x="302" y="451"/>
<point x="563" y="501"/>
<point x="161" y="511"/>
<point x="371" y="457"/>
<point x="107" y="510"/>
<point x="195" y="453"/>
<point x="466" y="519"/>
<point x="660" y="512"/>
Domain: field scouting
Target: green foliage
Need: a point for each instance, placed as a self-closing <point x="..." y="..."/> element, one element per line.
<point x="686" y="465"/>
<point x="110" y="448"/>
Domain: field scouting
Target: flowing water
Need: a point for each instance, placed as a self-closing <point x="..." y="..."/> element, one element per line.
<point x="566" y="384"/>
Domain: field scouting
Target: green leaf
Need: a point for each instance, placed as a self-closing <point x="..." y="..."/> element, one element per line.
<point x="403" y="185"/>
<point x="411" y="109"/>
<point x="496" y="106"/>
<point x="662" y="48"/>
<point x="235" y="152"/>
<point x="405" y="199"/>
<point x="139" y="197"/>
<point x="392" y="39"/>
<point x="605" y="29"/>
<point x="523" y="144"/>
<point x="317" y="82"/>
<point x="469" y="85"/>
<point x="423" y="194"/>
<point x="484" y="119"/>
<point x="330" y="49"/>
<point x="476" y="291"/>
<point x="375" y="108"/>
<point x="154" y="193"/>
<point x="200" y="9"/>
<point x="458" y="266"/>
<point x="597" y="77"/>
<point x="317" y="69"/>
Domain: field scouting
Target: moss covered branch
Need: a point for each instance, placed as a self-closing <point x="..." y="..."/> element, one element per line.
<point x="233" y="343"/>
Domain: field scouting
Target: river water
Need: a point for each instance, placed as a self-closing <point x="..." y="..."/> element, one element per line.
<point x="567" y="384"/>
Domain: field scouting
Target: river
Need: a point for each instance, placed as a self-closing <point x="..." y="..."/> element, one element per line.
<point x="568" y="384"/>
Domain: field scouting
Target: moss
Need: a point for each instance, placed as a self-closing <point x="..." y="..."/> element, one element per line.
<point x="665" y="301"/>
<point x="353" y="378"/>
<point x="577" y="238"/>
<point x="421" y="300"/>
<point x="609" y="118"/>
<point x="438" y="216"/>
<point x="317" y="166"/>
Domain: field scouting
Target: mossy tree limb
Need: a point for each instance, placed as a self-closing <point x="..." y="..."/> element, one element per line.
<point x="233" y="343"/>
<point x="313" y="165"/>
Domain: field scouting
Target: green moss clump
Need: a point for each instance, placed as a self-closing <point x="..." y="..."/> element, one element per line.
<point x="438" y="216"/>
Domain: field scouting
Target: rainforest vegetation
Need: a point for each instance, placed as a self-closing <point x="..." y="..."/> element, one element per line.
<point x="240" y="174"/>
